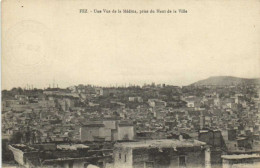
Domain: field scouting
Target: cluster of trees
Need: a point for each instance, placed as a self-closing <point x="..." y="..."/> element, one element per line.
<point x="19" y="91"/>
<point x="27" y="136"/>
<point x="7" y="155"/>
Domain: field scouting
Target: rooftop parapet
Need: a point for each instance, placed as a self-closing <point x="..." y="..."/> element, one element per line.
<point x="164" y="143"/>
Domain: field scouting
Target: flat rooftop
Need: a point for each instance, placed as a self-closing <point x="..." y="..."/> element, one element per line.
<point x="241" y="156"/>
<point x="163" y="143"/>
<point x="72" y="147"/>
<point x="22" y="147"/>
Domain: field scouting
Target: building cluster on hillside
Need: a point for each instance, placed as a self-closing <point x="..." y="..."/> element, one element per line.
<point x="143" y="126"/>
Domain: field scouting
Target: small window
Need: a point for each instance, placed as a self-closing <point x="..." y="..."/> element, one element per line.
<point x="182" y="161"/>
<point x="125" y="158"/>
<point x="119" y="155"/>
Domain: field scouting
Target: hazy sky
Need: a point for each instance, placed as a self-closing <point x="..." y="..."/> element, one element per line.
<point x="47" y="40"/>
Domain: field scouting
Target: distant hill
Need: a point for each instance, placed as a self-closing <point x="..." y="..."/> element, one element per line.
<point x="226" y="80"/>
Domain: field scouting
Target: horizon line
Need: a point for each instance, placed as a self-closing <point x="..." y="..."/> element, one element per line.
<point x="52" y="85"/>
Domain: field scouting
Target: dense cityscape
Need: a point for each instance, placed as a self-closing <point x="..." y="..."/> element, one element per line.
<point x="153" y="125"/>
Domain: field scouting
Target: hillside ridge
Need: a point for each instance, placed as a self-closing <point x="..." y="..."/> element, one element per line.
<point x="226" y="80"/>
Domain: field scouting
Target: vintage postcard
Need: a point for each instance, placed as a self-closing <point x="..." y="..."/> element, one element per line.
<point x="130" y="83"/>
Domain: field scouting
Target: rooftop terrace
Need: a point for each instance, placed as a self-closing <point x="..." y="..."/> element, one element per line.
<point x="164" y="143"/>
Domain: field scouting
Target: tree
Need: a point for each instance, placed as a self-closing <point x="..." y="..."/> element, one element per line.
<point x="7" y="155"/>
<point x="16" y="138"/>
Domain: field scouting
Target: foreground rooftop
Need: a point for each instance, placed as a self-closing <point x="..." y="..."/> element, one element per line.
<point x="241" y="156"/>
<point x="164" y="143"/>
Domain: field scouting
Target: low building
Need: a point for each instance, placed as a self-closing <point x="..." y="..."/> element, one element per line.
<point x="212" y="137"/>
<point x="161" y="153"/>
<point x="241" y="160"/>
<point x="21" y="152"/>
<point x="108" y="130"/>
<point x="125" y="131"/>
<point x="135" y="99"/>
<point x="193" y="102"/>
<point x="95" y="132"/>
<point x="60" y="155"/>
<point x="99" y="91"/>
<point x="217" y="145"/>
<point x="156" y="103"/>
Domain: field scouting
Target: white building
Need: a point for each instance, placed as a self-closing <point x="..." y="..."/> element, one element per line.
<point x="161" y="153"/>
<point x="241" y="161"/>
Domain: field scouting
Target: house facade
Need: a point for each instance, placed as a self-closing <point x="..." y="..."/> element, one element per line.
<point x="161" y="153"/>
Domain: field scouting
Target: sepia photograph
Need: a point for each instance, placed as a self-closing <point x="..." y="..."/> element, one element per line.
<point x="130" y="84"/>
